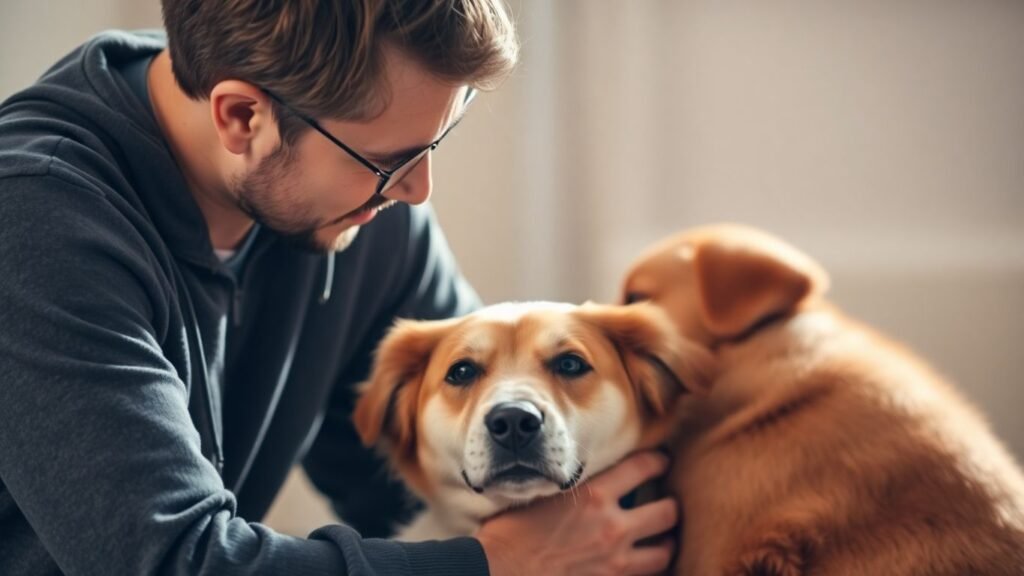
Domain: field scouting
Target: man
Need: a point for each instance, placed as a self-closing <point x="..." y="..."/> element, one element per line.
<point x="191" y="286"/>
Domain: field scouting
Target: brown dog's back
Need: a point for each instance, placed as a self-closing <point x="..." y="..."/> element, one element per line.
<point x="822" y="447"/>
<point x="826" y="450"/>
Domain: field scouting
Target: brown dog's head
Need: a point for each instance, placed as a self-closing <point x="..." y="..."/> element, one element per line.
<point x="721" y="282"/>
<point x="518" y="401"/>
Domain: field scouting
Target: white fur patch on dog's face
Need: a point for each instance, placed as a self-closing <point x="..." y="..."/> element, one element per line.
<point x="526" y="426"/>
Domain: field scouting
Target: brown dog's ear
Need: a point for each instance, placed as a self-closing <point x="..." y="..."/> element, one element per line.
<point x="386" y="409"/>
<point x="660" y="362"/>
<point x="745" y="277"/>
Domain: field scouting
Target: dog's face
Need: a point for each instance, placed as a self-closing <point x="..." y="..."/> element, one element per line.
<point x="721" y="282"/>
<point x="519" y="401"/>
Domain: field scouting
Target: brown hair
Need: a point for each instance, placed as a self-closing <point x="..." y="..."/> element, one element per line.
<point x="324" y="57"/>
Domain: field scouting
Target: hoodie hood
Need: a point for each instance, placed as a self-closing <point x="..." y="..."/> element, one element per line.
<point x="104" y="115"/>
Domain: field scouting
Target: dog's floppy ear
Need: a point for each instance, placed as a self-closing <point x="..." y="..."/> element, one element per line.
<point x="662" y="364"/>
<point x="386" y="409"/>
<point x="745" y="276"/>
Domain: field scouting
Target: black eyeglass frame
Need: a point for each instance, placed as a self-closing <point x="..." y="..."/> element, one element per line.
<point x="385" y="176"/>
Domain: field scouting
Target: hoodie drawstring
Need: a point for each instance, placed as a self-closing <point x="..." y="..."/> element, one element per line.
<point x="325" y="295"/>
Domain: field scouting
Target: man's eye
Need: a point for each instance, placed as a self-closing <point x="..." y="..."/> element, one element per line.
<point x="387" y="165"/>
<point x="570" y="365"/>
<point x="392" y="164"/>
<point x="462" y="373"/>
<point x="634" y="297"/>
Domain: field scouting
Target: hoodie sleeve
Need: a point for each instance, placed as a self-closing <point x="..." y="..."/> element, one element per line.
<point x="427" y="285"/>
<point x="98" y="453"/>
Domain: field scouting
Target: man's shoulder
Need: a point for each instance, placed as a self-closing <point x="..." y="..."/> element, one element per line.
<point x="57" y="208"/>
<point x="70" y="148"/>
<point x="79" y="109"/>
<point x="45" y="174"/>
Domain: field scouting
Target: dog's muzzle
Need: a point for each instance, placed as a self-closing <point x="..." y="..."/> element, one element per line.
<point x="517" y="446"/>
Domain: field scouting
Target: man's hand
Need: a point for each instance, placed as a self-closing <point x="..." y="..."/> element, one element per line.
<point x="585" y="533"/>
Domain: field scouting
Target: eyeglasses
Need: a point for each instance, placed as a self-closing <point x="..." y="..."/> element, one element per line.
<point x="387" y="179"/>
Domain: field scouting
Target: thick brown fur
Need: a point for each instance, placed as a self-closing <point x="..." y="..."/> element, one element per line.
<point x="822" y="447"/>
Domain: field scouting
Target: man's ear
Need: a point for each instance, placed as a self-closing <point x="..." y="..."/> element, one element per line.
<point x="661" y="364"/>
<point x="240" y="111"/>
<point x="386" y="410"/>
<point x="745" y="277"/>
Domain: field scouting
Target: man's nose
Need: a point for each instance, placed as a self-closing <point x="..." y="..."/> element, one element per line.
<point x="415" y="188"/>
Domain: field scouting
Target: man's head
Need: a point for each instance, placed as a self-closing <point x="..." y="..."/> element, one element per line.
<point x="384" y="77"/>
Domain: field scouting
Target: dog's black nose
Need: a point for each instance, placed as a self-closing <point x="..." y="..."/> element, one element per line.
<point x="513" y="425"/>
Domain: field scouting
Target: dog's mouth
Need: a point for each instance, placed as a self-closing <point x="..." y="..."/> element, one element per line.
<point x="522" y="475"/>
<point x="517" y="474"/>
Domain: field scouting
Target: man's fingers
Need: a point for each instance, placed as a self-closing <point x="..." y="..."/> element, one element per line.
<point x="652" y="518"/>
<point x="644" y="560"/>
<point x="633" y="471"/>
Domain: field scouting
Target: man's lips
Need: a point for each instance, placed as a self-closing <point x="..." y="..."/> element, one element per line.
<point x="364" y="213"/>
<point x="362" y="217"/>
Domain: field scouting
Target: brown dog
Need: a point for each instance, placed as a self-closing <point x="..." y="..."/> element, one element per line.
<point x="522" y="400"/>
<point x="822" y="448"/>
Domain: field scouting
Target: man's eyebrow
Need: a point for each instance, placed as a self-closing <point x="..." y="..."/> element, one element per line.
<point x="393" y="157"/>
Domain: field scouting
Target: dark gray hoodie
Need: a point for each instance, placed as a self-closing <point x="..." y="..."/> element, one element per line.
<point x="151" y="404"/>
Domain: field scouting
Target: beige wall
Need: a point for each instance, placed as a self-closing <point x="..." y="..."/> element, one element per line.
<point x="35" y="33"/>
<point x="886" y="138"/>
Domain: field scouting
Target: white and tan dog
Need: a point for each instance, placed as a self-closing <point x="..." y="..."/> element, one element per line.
<point x="520" y="401"/>
<point x="822" y="447"/>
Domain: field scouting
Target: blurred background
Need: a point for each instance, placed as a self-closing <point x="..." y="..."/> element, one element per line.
<point x="885" y="138"/>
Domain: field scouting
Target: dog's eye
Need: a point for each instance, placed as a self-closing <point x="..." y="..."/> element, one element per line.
<point x="569" y="365"/>
<point x="462" y="372"/>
